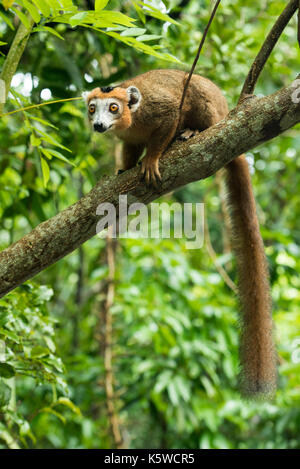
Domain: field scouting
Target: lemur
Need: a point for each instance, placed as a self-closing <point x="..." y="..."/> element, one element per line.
<point x="144" y="113"/>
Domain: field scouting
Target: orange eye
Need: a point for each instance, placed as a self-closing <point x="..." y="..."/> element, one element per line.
<point x="113" y="108"/>
<point x="92" y="108"/>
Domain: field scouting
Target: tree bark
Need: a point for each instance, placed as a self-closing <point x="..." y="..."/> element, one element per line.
<point x="254" y="121"/>
<point x="14" y="56"/>
<point x="268" y="46"/>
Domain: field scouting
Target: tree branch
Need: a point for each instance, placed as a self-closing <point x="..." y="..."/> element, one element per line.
<point x="14" y="55"/>
<point x="267" y="47"/>
<point x="253" y="122"/>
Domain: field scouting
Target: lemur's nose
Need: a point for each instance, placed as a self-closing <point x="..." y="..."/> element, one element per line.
<point x="99" y="128"/>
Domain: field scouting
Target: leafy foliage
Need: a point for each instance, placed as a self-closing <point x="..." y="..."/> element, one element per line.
<point x="44" y="12"/>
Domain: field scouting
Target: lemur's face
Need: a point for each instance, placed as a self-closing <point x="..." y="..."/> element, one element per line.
<point x="105" y="113"/>
<point x="111" y="108"/>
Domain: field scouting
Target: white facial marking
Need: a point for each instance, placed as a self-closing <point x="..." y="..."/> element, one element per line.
<point x="102" y="115"/>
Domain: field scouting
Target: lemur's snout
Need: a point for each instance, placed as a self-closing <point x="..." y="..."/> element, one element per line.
<point x="100" y="128"/>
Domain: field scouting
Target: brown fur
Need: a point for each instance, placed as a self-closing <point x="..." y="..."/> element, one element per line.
<point x="257" y="353"/>
<point x="153" y="126"/>
<point x="118" y="93"/>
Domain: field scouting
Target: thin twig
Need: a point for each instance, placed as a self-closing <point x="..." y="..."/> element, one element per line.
<point x="196" y="59"/>
<point x="267" y="47"/>
<point x="33" y="106"/>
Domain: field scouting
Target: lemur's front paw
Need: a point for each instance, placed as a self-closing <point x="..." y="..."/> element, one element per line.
<point x="150" y="170"/>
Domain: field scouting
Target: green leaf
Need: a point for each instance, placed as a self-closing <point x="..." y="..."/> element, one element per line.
<point x="162" y="381"/>
<point x="52" y="140"/>
<point x="45" y="152"/>
<point x="8" y="438"/>
<point x="182" y="388"/>
<point x="45" y="171"/>
<point x="66" y="402"/>
<point x="32" y="10"/>
<point x="139" y="12"/>
<point x="117" y="18"/>
<point x="69" y="108"/>
<point x="155" y="13"/>
<point x="6" y="371"/>
<point x="43" y="7"/>
<point x="35" y="141"/>
<point x="49" y="153"/>
<point x="2" y="43"/>
<point x="149" y="37"/>
<point x="54" y="4"/>
<point x="65" y="18"/>
<point x="172" y="392"/>
<point x="10" y="335"/>
<point x="48" y="30"/>
<point x="42" y="121"/>
<point x="102" y="19"/>
<point x="140" y="46"/>
<point x="44" y="293"/>
<point x="100" y="4"/>
<point x="68" y="5"/>
<point x="25" y="430"/>
<point x="50" y="344"/>
<point x="133" y="32"/>
<point x="7" y="20"/>
<point x="78" y="18"/>
<point x="48" y="410"/>
<point x="5" y="393"/>
<point x="23" y="18"/>
<point x="39" y="352"/>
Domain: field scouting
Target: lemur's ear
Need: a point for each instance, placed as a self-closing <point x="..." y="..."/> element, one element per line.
<point x="85" y="95"/>
<point x="134" y="98"/>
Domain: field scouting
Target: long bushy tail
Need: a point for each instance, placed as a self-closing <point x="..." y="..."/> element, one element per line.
<point x="257" y="352"/>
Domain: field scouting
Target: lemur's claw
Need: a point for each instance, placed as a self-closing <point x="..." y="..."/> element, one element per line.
<point x="150" y="171"/>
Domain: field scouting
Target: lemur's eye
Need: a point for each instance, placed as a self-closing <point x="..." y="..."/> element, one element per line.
<point x="92" y="108"/>
<point x="113" y="108"/>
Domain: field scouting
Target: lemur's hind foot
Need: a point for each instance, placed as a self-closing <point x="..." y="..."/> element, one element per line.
<point x="186" y="134"/>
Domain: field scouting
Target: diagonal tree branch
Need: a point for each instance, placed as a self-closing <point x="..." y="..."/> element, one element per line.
<point x="253" y="122"/>
<point x="268" y="46"/>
